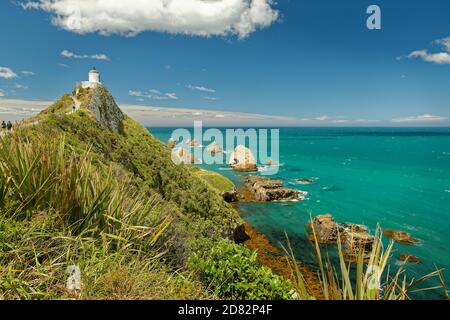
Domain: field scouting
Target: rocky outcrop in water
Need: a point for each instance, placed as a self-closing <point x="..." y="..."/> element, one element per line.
<point x="266" y="190"/>
<point x="242" y="159"/>
<point x="326" y="228"/>
<point x="354" y="237"/>
<point x="410" y="258"/>
<point x="400" y="236"/>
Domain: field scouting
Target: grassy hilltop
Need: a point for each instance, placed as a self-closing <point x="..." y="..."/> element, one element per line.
<point x="94" y="189"/>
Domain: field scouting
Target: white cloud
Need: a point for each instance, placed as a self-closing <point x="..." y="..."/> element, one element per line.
<point x="210" y="98"/>
<point x="71" y="55"/>
<point x="445" y="43"/>
<point x="438" y="58"/>
<point x="7" y="73"/>
<point x="2" y="93"/>
<point x="171" y="95"/>
<point x="28" y="73"/>
<point x="62" y="65"/>
<point x="200" y="88"/>
<point x="442" y="57"/>
<point x="133" y="93"/>
<point x="154" y="91"/>
<point x="421" y="118"/>
<point x="20" y="86"/>
<point x="337" y="120"/>
<point x="191" y="17"/>
<point x="153" y="94"/>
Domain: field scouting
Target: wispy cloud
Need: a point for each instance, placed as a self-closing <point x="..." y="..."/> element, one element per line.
<point x="200" y="88"/>
<point x="2" y="93"/>
<point x="62" y="65"/>
<point x="442" y="57"/>
<point x="153" y="94"/>
<point x="134" y="93"/>
<point x="210" y="98"/>
<point x="338" y="120"/>
<point x="71" y="55"/>
<point x="7" y="73"/>
<point x="20" y="86"/>
<point x="421" y="118"/>
<point x="27" y="73"/>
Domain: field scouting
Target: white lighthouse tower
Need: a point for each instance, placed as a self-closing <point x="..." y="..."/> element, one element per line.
<point x="94" y="80"/>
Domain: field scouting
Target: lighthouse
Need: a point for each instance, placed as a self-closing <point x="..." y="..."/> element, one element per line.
<point x="94" y="79"/>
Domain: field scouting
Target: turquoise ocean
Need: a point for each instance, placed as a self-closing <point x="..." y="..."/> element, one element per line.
<point x="398" y="178"/>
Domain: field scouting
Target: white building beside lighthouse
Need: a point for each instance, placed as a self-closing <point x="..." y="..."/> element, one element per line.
<point x="94" y="80"/>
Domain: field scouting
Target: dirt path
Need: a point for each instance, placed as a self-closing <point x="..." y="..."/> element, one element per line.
<point x="4" y="132"/>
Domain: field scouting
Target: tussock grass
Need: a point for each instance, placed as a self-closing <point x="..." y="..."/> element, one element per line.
<point x="364" y="279"/>
<point x="59" y="208"/>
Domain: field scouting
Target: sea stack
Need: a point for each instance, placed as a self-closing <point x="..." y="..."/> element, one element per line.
<point x="242" y="159"/>
<point x="214" y="148"/>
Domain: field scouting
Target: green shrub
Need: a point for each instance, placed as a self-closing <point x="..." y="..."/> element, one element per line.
<point x="231" y="271"/>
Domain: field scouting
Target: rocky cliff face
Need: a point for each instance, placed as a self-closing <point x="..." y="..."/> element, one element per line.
<point x="105" y="109"/>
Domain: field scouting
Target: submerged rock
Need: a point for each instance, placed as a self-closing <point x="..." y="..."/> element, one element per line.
<point x="266" y="190"/>
<point x="410" y="258"/>
<point x="242" y="159"/>
<point x="400" y="237"/>
<point x="305" y="181"/>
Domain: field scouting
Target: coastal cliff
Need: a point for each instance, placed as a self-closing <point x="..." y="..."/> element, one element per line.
<point x="89" y="189"/>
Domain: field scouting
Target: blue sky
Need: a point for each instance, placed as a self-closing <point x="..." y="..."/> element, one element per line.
<point x="313" y="60"/>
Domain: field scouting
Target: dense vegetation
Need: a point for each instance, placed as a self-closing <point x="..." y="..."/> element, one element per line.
<point x="74" y="193"/>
